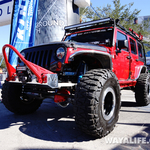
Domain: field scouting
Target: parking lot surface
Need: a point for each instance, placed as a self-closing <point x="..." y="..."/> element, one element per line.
<point x="53" y="128"/>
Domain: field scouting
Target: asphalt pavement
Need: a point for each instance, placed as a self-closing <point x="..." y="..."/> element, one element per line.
<point x="53" y="128"/>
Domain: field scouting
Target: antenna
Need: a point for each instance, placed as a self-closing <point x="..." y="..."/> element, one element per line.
<point x="95" y="11"/>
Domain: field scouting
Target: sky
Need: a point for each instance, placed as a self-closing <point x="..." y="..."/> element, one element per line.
<point x="143" y="5"/>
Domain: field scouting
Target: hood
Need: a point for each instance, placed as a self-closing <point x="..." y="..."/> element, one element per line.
<point x="75" y="45"/>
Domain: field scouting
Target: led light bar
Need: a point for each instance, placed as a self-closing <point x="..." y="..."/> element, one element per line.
<point x="88" y="23"/>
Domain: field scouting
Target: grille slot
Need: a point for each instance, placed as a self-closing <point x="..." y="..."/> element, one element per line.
<point x="44" y="60"/>
<point x="36" y="58"/>
<point x="26" y="56"/>
<point x="40" y="59"/>
<point x="29" y="56"/>
<point x="49" y="59"/>
<point x="33" y="55"/>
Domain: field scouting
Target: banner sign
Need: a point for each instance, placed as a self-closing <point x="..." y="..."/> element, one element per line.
<point x="6" y="7"/>
<point x="51" y="21"/>
<point x="53" y="16"/>
<point x="23" y="26"/>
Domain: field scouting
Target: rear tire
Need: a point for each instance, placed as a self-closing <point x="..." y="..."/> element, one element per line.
<point x="14" y="102"/>
<point x="97" y="102"/>
<point x="142" y="90"/>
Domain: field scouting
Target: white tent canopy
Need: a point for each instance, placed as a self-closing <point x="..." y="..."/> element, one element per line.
<point x="6" y="8"/>
<point x="82" y="3"/>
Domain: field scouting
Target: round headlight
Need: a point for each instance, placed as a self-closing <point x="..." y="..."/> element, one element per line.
<point x="60" y="53"/>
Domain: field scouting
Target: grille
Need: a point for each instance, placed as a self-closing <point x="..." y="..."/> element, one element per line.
<point x="40" y="57"/>
<point x="44" y="55"/>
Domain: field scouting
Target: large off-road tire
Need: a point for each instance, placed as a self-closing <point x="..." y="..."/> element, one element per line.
<point x="142" y="90"/>
<point x="97" y="102"/>
<point x="14" y="102"/>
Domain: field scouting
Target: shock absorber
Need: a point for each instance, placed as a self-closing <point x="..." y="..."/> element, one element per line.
<point x="82" y="70"/>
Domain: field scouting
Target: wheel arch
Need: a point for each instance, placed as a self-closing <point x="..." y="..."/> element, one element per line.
<point x="104" y="59"/>
<point x="139" y="70"/>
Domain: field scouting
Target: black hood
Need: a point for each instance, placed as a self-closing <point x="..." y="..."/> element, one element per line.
<point x="75" y="45"/>
<point x="45" y="55"/>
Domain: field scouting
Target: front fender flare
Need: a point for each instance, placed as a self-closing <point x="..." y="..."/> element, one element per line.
<point x="105" y="58"/>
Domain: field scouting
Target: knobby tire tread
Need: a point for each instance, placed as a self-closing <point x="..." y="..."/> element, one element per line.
<point x="11" y="100"/>
<point x="87" y="100"/>
<point x="141" y="90"/>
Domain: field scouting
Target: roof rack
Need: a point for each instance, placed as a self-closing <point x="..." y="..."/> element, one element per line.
<point x="139" y="36"/>
<point x="86" y="25"/>
<point x="131" y="32"/>
<point x="99" y="23"/>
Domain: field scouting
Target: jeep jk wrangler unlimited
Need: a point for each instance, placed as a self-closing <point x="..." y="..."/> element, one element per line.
<point x="88" y="68"/>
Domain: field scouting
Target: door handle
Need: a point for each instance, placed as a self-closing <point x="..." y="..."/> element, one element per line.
<point x="128" y="57"/>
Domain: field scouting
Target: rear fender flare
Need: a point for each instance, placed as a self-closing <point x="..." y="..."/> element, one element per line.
<point x="139" y="70"/>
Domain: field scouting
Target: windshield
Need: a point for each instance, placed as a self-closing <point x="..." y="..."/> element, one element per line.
<point x="93" y="37"/>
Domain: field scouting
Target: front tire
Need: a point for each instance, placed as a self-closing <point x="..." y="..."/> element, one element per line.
<point x="142" y="90"/>
<point x="97" y="102"/>
<point x="14" y="102"/>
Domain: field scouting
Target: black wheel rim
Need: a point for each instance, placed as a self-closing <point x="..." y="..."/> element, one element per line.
<point x="108" y="103"/>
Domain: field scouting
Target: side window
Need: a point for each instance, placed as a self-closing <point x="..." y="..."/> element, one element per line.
<point x="133" y="46"/>
<point x="140" y="50"/>
<point x="121" y="36"/>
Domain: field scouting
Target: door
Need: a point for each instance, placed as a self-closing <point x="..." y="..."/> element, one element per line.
<point x="122" y="65"/>
<point x="134" y="56"/>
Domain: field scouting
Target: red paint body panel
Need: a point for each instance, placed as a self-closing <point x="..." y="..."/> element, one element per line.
<point x="125" y="64"/>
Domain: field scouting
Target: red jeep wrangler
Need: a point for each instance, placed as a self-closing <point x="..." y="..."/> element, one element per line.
<point x="88" y="68"/>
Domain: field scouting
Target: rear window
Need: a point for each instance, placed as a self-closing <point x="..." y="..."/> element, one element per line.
<point x="133" y="46"/>
<point x="140" y="50"/>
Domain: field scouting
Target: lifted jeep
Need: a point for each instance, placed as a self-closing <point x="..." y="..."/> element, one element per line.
<point x="88" y="68"/>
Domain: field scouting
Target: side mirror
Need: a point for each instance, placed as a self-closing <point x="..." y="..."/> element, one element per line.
<point x="107" y="41"/>
<point x="122" y="44"/>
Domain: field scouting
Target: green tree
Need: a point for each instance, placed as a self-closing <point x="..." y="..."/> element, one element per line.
<point x="3" y="62"/>
<point x="147" y="46"/>
<point x="118" y="11"/>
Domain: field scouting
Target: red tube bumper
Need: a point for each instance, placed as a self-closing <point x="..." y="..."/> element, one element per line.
<point x="43" y="75"/>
